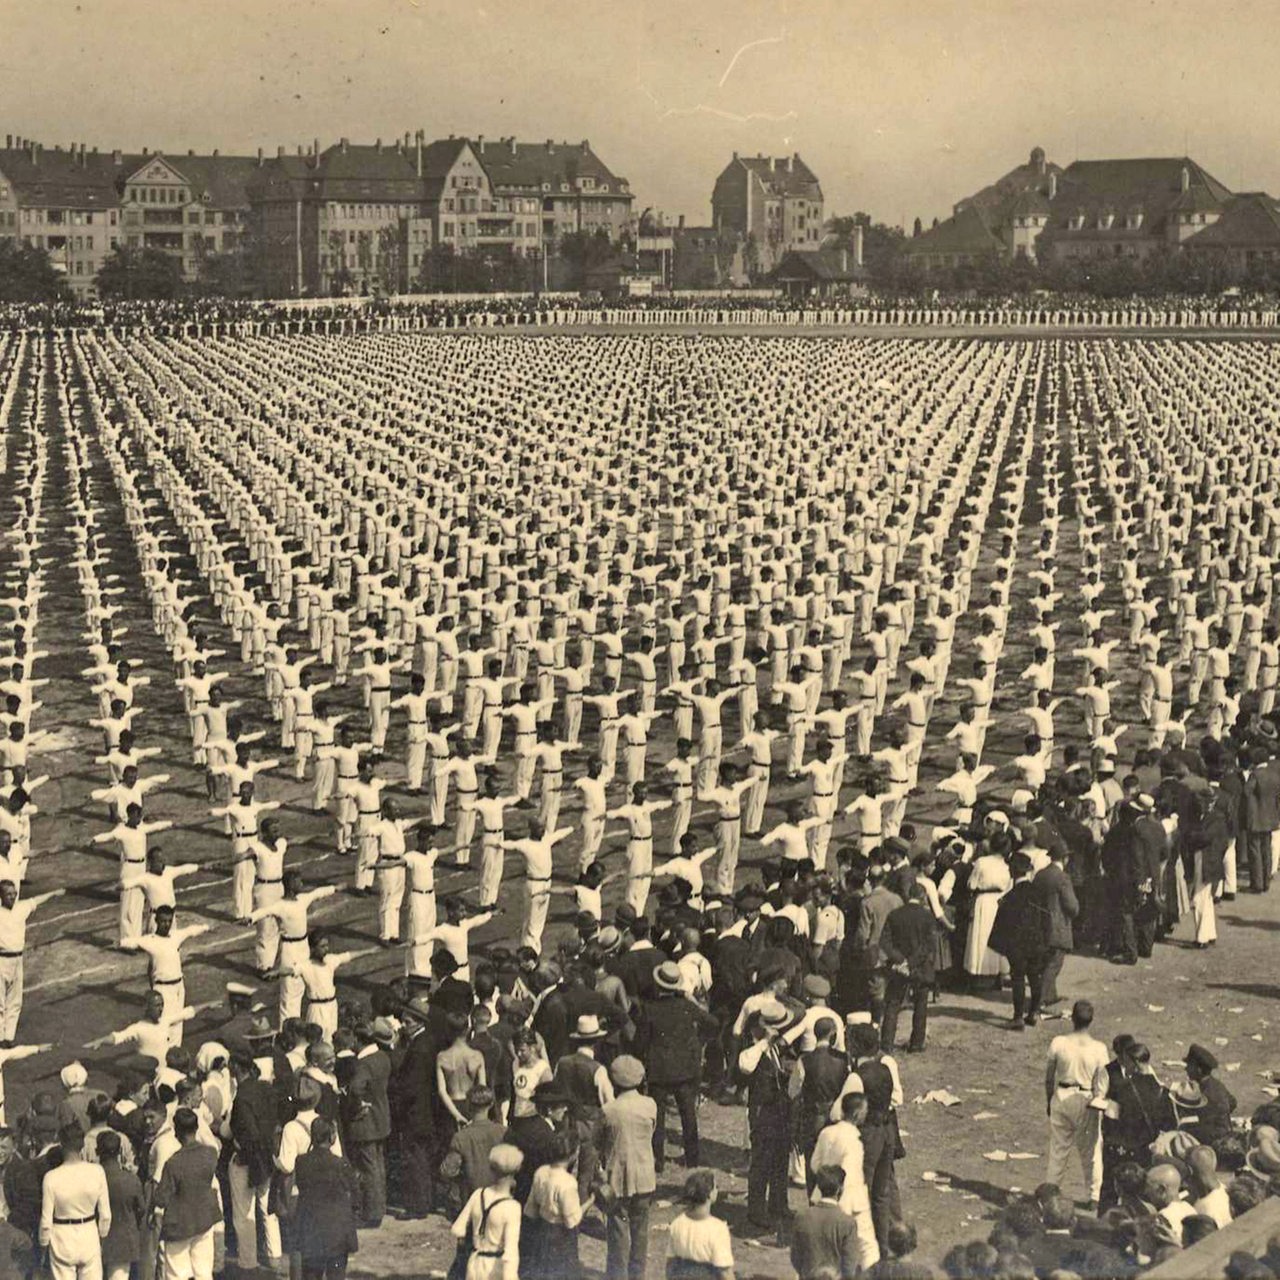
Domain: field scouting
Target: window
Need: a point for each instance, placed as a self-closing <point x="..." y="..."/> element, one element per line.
<point x="448" y="205"/>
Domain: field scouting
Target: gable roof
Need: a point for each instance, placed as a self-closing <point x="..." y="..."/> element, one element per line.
<point x="778" y="175"/>
<point x="830" y="264"/>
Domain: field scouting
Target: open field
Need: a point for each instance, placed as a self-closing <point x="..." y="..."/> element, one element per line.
<point x="79" y="986"/>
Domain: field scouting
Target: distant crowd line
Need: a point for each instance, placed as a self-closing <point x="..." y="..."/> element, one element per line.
<point x="222" y="317"/>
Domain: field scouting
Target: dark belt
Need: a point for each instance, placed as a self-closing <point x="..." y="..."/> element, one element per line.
<point x="73" y="1222"/>
<point x="10" y="955"/>
<point x="165" y="982"/>
<point x="380" y="688"/>
<point x="427" y="892"/>
<point x="322" y="999"/>
<point x="293" y="937"/>
<point x="268" y="879"/>
<point x="988" y="891"/>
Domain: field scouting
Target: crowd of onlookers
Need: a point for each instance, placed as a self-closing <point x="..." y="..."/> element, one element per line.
<point x="203" y="316"/>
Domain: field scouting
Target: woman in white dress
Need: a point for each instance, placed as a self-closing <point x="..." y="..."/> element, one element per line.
<point x="989" y="881"/>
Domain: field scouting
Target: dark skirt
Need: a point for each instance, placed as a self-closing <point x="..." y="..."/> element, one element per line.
<point x="548" y="1251"/>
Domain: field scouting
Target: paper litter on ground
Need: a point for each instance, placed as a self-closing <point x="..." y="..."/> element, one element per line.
<point x="1024" y="1155"/>
<point x="987" y="1115"/>
<point x="1155" y="1008"/>
<point x="999" y="1157"/>
<point x="944" y="1096"/>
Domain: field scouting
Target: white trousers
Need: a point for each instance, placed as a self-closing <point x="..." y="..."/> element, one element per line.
<point x="1074" y="1131"/>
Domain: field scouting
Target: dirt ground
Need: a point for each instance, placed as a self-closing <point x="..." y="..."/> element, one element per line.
<point x="79" y="986"/>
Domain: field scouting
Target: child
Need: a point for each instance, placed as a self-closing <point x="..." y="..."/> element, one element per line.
<point x="469" y="1149"/>
<point x="488" y="1228"/>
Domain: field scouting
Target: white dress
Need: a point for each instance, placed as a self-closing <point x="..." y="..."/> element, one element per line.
<point x="989" y="881"/>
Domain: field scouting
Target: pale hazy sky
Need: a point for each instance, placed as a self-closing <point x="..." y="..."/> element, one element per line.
<point x="900" y="106"/>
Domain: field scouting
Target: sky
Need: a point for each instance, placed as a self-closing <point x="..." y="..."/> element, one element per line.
<point x="901" y="107"/>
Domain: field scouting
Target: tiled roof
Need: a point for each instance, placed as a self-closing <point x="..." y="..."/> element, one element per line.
<point x="220" y="181"/>
<point x="65" y="179"/>
<point x="509" y="163"/>
<point x="829" y="264"/>
<point x="966" y="232"/>
<point x="782" y="175"/>
<point x="1250" y="221"/>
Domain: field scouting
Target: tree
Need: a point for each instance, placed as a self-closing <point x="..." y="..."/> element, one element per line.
<point x="139" y="275"/>
<point x="585" y="252"/>
<point x="389" y="259"/>
<point x="233" y="273"/>
<point x="27" y="274"/>
<point x="917" y="229"/>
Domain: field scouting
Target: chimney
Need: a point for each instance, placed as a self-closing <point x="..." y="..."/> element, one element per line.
<point x="1053" y="186"/>
<point x="94" y="152"/>
<point x="315" y="146"/>
<point x="259" y="157"/>
<point x="299" y="149"/>
<point x="146" y="151"/>
<point x="407" y="139"/>
<point x="551" y="146"/>
<point x="857" y="244"/>
<point x="480" y="143"/>
<point x="8" y="142"/>
<point x="844" y="262"/>
<point x="1186" y="178"/>
<point x="35" y="153"/>
<point x="680" y="222"/>
<point x="586" y="146"/>
<point x="735" y="155"/>
<point x="512" y="143"/>
<point x="279" y="153"/>
<point x="190" y="151"/>
<point x="377" y="146"/>
<point x="117" y="158"/>
<point x="345" y="143"/>
<point x="216" y="153"/>
<point x="791" y="159"/>
<point x="418" y="160"/>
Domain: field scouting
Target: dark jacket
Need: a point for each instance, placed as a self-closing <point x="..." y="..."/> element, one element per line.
<point x="186" y="1192"/>
<point x="824" y="1242"/>
<point x="551" y="1022"/>
<point x="253" y="1127"/>
<point x="910" y="934"/>
<point x="825" y="1071"/>
<point x="1262" y="798"/>
<point x="123" y="1244"/>
<point x="368" y="1110"/>
<point x="1018" y="933"/>
<point x="670" y="1030"/>
<point x="1057" y="901"/>
<point x="326" y="1220"/>
<point x="536" y="1138"/>
<point x="415" y="1087"/>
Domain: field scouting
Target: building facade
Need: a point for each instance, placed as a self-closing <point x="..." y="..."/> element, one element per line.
<point x="1091" y="210"/>
<point x="364" y="218"/>
<point x="773" y="203"/>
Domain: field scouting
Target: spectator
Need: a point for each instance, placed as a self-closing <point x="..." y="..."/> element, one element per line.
<point x="326" y="1209"/>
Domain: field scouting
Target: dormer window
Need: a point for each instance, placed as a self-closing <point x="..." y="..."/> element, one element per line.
<point x="1076" y="222"/>
<point x="1134" y="221"/>
<point x="1105" y="220"/>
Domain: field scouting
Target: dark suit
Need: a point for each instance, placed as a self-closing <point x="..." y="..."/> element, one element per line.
<point x="1261" y="818"/>
<point x="367" y="1129"/>
<point x="186" y="1193"/>
<point x="415" y="1127"/>
<point x="326" y="1221"/>
<point x="670" y="1030"/>
<point x="909" y="939"/>
<point x="1018" y="934"/>
<point x="1058" y="906"/>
